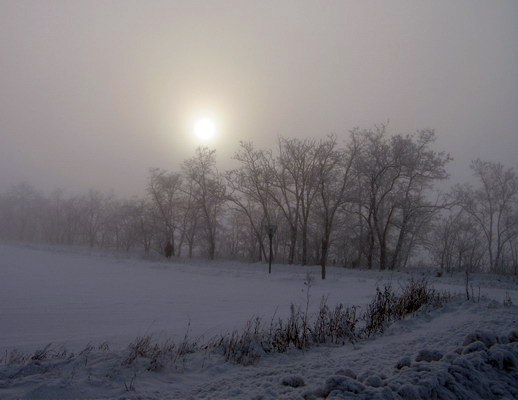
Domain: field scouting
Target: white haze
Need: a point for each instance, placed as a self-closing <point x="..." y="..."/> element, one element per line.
<point x="94" y="93"/>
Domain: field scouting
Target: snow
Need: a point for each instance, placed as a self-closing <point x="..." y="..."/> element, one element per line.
<point x="92" y="306"/>
<point x="428" y="355"/>
<point x="293" y="381"/>
<point x="49" y="296"/>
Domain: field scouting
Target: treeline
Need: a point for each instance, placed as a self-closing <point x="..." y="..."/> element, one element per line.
<point x="367" y="202"/>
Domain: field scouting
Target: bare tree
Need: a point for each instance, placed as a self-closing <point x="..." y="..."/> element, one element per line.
<point x="294" y="188"/>
<point x="93" y="214"/>
<point x="285" y="192"/>
<point x="22" y="211"/>
<point x="126" y="223"/>
<point x="307" y="157"/>
<point x="190" y="215"/>
<point x="421" y="166"/>
<point x="249" y="189"/>
<point x="334" y="181"/>
<point x="208" y="192"/>
<point x="513" y="254"/>
<point x="146" y="231"/>
<point x="455" y="242"/>
<point x="494" y="206"/>
<point x="164" y="189"/>
<point x="60" y="219"/>
<point x="395" y="174"/>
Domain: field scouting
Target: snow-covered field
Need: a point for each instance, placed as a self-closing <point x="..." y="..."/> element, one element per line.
<point x="75" y="299"/>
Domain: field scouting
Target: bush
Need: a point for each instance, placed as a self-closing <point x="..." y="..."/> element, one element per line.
<point x="156" y="353"/>
<point x="244" y="348"/>
<point x="330" y="326"/>
<point x="336" y="326"/>
<point x="389" y="306"/>
<point x="379" y="311"/>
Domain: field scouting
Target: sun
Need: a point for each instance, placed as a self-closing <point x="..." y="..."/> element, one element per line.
<point x="205" y="129"/>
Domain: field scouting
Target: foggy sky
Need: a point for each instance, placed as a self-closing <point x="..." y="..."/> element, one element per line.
<point x="94" y="93"/>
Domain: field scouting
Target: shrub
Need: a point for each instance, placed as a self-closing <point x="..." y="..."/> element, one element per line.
<point x="388" y="306"/>
<point x="336" y="326"/>
<point x="330" y="326"/>
<point x="244" y="348"/>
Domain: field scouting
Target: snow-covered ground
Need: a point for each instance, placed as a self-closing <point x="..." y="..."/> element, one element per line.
<point x="75" y="299"/>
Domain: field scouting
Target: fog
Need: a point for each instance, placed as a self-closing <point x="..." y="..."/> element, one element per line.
<point x="93" y="94"/>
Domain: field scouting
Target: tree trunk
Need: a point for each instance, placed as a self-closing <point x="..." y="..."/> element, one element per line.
<point x="190" y="248"/>
<point x="370" y="250"/>
<point x="323" y="259"/>
<point x="383" y="255"/>
<point x="399" y="245"/>
<point x="212" y="248"/>
<point x="304" y="245"/>
<point x="293" y="243"/>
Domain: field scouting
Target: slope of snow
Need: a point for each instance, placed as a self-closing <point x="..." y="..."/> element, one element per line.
<point x="465" y="349"/>
<point x="395" y="365"/>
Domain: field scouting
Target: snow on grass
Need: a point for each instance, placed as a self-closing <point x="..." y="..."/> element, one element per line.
<point x="76" y="299"/>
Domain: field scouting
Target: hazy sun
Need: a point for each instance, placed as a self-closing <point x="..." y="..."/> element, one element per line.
<point x="204" y="129"/>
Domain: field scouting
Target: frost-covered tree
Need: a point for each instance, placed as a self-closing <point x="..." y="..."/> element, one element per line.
<point x="395" y="175"/>
<point x="93" y="209"/>
<point x="164" y="191"/>
<point x="334" y="177"/>
<point x="208" y="191"/>
<point x="249" y="187"/>
<point x="22" y="208"/>
<point x="146" y="230"/>
<point x="456" y="242"/>
<point x="190" y="216"/>
<point x="294" y="188"/>
<point x="60" y="218"/>
<point x="493" y="205"/>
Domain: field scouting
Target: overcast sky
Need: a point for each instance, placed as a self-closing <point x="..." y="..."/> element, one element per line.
<point x="94" y="93"/>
